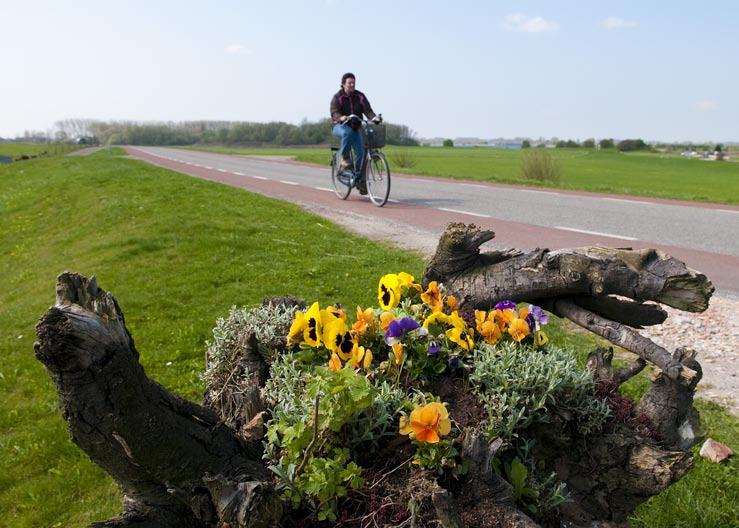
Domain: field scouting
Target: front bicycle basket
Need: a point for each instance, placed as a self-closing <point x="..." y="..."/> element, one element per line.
<point x="375" y="135"/>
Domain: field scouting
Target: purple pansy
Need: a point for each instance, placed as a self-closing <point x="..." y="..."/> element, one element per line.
<point x="531" y="321"/>
<point x="453" y="362"/>
<point x="538" y="314"/>
<point x="505" y="305"/>
<point x="398" y="328"/>
<point x="433" y="349"/>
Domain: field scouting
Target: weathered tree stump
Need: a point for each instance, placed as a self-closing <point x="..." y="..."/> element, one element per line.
<point x="179" y="464"/>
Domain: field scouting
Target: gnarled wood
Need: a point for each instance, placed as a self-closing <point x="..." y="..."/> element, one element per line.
<point x="158" y="446"/>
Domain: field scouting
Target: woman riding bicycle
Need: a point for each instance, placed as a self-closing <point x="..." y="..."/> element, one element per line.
<point x="347" y="107"/>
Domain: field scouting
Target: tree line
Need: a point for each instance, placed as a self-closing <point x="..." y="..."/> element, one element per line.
<point x="275" y="133"/>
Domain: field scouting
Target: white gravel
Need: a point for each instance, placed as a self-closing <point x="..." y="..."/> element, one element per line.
<point x="714" y="334"/>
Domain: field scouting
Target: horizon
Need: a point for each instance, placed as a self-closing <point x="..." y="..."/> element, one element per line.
<point x="560" y="69"/>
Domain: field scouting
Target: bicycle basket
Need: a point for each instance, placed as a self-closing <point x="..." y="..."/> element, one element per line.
<point x="375" y="136"/>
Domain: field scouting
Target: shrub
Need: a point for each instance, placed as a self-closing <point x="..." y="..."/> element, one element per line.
<point x="448" y="143"/>
<point x="541" y="166"/>
<point x="403" y="159"/>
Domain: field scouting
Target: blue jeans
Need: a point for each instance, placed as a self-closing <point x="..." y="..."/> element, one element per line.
<point x="350" y="138"/>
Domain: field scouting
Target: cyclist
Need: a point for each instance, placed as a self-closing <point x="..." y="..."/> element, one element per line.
<point x="348" y="102"/>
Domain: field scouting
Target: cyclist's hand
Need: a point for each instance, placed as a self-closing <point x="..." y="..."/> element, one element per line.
<point x="377" y="120"/>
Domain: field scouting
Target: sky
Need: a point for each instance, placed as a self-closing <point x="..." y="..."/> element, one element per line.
<point x="544" y="68"/>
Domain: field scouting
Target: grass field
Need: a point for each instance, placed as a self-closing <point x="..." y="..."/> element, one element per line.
<point x="665" y="176"/>
<point x="176" y="262"/>
<point x="16" y="150"/>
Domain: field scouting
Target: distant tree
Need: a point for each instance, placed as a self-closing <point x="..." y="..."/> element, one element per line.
<point x="526" y="144"/>
<point x="606" y="143"/>
<point x="561" y="143"/>
<point x="719" y="148"/>
<point x="448" y="143"/>
<point x="589" y="143"/>
<point x="571" y="143"/>
<point x="628" y="145"/>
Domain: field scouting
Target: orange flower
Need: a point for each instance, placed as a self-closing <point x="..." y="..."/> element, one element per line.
<point x="334" y="363"/>
<point x="398" y="353"/>
<point x="452" y="302"/>
<point x="523" y="312"/>
<point x="365" y="321"/>
<point x="385" y="319"/>
<point x="504" y="317"/>
<point x="427" y="423"/>
<point x="518" y="329"/>
<point x="486" y="327"/>
<point x="361" y="357"/>
<point x="432" y="297"/>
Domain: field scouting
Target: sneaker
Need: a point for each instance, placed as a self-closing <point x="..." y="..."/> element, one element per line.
<point x="345" y="165"/>
<point x="362" y="187"/>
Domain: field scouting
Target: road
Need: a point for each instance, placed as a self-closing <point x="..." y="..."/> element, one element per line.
<point x="705" y="236"/>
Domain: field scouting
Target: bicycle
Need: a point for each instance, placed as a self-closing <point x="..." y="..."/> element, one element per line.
<point x="374" y="166"/>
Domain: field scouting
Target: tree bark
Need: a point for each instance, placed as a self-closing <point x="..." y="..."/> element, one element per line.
<point x="158" y="446"/>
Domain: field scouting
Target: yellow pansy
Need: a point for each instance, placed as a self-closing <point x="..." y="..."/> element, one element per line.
<point x="361" y="357"/>
<point x="338" y="339"/>
<point x="388" y="291"/>
<point x="313" y="327"/>
<point x="408" y="281"/>
<point x="461" y="336"/>
<point x="295" y="334"/>
<point x="540" y="338"/>
<point x="518" y="329"/>
<point x="436" y="318"/>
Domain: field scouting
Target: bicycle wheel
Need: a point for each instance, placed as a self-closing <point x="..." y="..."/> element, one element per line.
<point x="378" y="179"/>
<point x="341" y="182"/>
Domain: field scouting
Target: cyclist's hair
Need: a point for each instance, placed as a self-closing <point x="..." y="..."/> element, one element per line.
<point x="347" y="75"/>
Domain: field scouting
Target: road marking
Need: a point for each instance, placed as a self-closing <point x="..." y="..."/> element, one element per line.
<point x="476" y="185"/>
<point x="239" y="173"/>
<point x="259" y="177"/>
<point x="209" y="168"/>
<point x="540" y="192"/>
<point x="598" y="233"/>
<point x="623" y="200"/>
<point x="288" y="182"/>
<point x="324" y="189"/>
<point x="393" y="201"/>
<point x="728" y="211"/>
<point x="222" y="170"/>
<point x="463" y="212"/>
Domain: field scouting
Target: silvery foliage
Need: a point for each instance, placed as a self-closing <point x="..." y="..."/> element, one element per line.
<point x="269" y="322"/>
<point x="521" y="385"/>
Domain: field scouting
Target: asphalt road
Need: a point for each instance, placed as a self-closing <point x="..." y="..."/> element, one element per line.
<point x="705" y="236"/>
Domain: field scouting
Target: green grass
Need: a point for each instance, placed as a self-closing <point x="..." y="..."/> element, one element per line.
<point x="16" y="150"/>
<point x="640" y="174"/>
<point x="177" y="252"/>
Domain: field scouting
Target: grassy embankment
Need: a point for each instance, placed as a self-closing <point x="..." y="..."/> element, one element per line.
<point x="40" y="150"/>
<point x="640" y="174"/>
<point x="176" y="263"/>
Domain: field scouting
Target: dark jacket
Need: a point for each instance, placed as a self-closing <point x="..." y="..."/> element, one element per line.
<point x="356" y="103"/>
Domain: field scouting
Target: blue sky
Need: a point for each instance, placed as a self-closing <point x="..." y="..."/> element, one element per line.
<point x="655" y="70"/>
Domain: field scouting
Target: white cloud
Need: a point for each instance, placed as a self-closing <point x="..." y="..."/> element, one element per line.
<point x="528" y="24"/>
<point x="706" y="105"/>
<point x="618" y="23"/>
<point x="237" y="49"/>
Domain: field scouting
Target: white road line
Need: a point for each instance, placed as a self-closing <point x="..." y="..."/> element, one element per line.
<point x="209" y="168"/>
<point x="260" y="177"/>
<point x="476" y="185"/>
<point x="598" y="233"/>
<point x="288" y="182"/>
<point x="728" y="211"/>
<point x="463" y="212"/>
<point x="623" y="200"/>
<point x="239" y="173"/>
<point x="324" y="189"/>
<point x="540" y="192"/>
<point x="222" y="170"/>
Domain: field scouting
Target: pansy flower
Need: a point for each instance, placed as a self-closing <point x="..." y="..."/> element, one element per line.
<point x="433" y="349"/>
<point x="385" y="319"/>
<point x="295" y="334"/>
<point x="504" y="317"/>
<point x="461" y="336"/>
<point x="427" y="423"/>
<point x="313" y="326"/>
<point x="388" y="291"/>
<point x="338" y="339"/>
<point x="436" y="318"/>
<point x="398" y="328"/>
<point x="398" y="353"/>
<point x="451" y="302"/>
<point x="432" y="297"/>
<point x="531" y="321"/>
<point x="408" y="281"/>
<point x="540" y="338"/>
<point x="334" y="363"/>
<point x="361" y="357"/>
<point x="365" y="321"/>
<point x="505" y="305"/>
<point x="539" y="315"/>
<point x="518" y="329"/>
